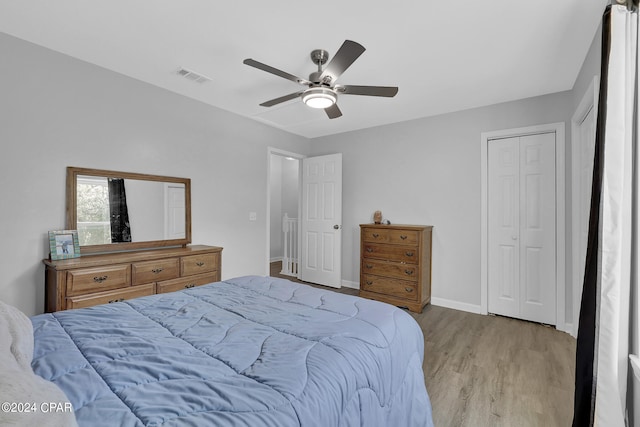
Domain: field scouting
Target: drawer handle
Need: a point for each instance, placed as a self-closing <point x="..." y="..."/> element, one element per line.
<point x="100" y="279"/>
<point x="408" y="253"/>
<point x="368" y="266"/>
<point x="375" y="235"/>
<point x="190" y="285"/>
<point x="408" y="289"/>
<point x="157" y="270"/>
<point x="369" y="282"/>
<point x="408" y="272"/>
<point x="403" y="237"/>
<point x="199" y="263"/>
<point x="116" y="300"/>
<point x="368" y="249"/>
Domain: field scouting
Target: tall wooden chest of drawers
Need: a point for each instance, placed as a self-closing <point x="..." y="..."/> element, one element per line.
<point x="99" y="279"/>
<point x="395" y="264"/>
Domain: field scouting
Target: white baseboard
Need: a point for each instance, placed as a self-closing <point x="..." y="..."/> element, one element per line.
<point x="441" y="302"/>
<point x="568" y="328"/>
<point x="350" y="284"/>
<point x="471" y="308"/>
<point x="276" y="259"/>
<point x="456" y="305"/>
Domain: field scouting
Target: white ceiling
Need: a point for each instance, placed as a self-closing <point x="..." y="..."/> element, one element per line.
<point x="443" y="56"/>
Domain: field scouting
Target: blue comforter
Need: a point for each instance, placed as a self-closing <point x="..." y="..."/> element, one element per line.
<point x="251" y="351"/>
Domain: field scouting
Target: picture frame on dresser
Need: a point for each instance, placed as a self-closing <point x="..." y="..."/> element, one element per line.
<point x="63" y="244"/>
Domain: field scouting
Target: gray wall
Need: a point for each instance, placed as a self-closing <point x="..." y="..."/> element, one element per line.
<point x="56" y="111"/>
<point x="146" y="209"/>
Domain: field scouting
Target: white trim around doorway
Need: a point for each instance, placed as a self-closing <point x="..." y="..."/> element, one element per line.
<point x="589" y="102"/>
<point x="283" y="153"/>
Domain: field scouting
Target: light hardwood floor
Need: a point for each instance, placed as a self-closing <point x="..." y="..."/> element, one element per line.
<point x="492" y="371"/>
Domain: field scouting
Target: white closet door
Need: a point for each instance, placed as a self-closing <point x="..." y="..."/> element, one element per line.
<point x="175" y="211"/>
<point x="504" y="226"/>
<point x="321" y="220"/>
<point x="521" y="226"/>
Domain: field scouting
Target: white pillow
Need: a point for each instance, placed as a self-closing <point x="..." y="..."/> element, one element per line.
<point x="26" y="398"/>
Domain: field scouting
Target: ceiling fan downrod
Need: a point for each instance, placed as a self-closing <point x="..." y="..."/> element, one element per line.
<point x="319" y="57"/>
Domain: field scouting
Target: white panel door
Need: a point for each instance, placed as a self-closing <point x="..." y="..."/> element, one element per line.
<point x="522" y="229"/>
<point x="538" y="228"/>
<point x="174" y="224"/>
<point x="321" y="220"/>
<point x="504" y="226"/>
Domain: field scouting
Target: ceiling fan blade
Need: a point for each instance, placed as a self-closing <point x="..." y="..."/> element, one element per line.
<point x="282" y="99"/>
<point x="333" y="112"/>
<point x="280" y="73"/>
<point x="388" y="91"/>
<point x="344" y="57"/>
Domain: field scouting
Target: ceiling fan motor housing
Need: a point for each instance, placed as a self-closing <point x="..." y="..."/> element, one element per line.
<point x="315" y="77"/>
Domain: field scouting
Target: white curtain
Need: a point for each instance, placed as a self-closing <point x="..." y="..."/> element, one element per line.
<point x="619" y="225"/>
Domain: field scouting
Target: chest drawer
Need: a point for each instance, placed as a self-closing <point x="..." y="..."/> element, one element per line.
<point x="394" y="236"/>
<point x="186" y="282"/>
<point x="375" y="235"/>
<point x="196" y="264"/>
<point x="87" y="280"/>
<point x="390" y="269"/>
<point x="119" y="295"/>
<point x="154" y="271"/>
<point x="395" y="287"/>
<point x="407" y="254"/>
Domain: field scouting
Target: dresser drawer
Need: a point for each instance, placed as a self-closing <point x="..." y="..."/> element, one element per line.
<point x="186" y="282"/>
<point x="390" y="269"/>
<point x="404" y="237"/>
<point x="110" y="296"/>
<point x="154" y="271"/>
<point x="407" y="254"/>
<point x="395" y="236"/>
<point x="87" y="280"/>
<point x="371" y="234"/>
<point x="394" y="287"/>
<point x="196" y="264"/>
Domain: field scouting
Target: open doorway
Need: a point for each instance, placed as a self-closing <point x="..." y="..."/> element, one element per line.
<point x="283" y="207"/>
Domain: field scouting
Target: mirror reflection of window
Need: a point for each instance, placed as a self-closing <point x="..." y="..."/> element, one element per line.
<point x="93" y="211"/>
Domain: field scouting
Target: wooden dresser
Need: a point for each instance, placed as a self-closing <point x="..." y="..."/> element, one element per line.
<point x="395" y="264"/>
<point x="99" y="279"/>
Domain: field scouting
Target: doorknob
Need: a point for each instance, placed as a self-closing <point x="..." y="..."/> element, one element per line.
<point x="336" y="227"/>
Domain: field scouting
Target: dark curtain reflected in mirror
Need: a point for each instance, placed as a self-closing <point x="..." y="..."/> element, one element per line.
<point x="119" y="214"/>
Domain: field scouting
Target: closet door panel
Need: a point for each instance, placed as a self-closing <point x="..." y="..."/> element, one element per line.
<point x="538" y="228"/>
<point x="504" y="226"/>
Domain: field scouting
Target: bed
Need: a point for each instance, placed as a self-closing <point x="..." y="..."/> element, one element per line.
<point x="250" y="351"/>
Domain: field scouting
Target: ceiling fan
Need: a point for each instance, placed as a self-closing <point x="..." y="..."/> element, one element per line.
<point x="321" y="91"/>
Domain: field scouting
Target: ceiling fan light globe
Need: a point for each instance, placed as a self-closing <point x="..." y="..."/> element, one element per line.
<point x="319" y="98"/>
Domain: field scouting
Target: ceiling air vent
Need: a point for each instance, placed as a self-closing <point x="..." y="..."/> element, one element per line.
<point x="193" y="76"/>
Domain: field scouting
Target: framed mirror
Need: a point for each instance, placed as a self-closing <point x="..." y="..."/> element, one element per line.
<point x="117" y="211"/>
